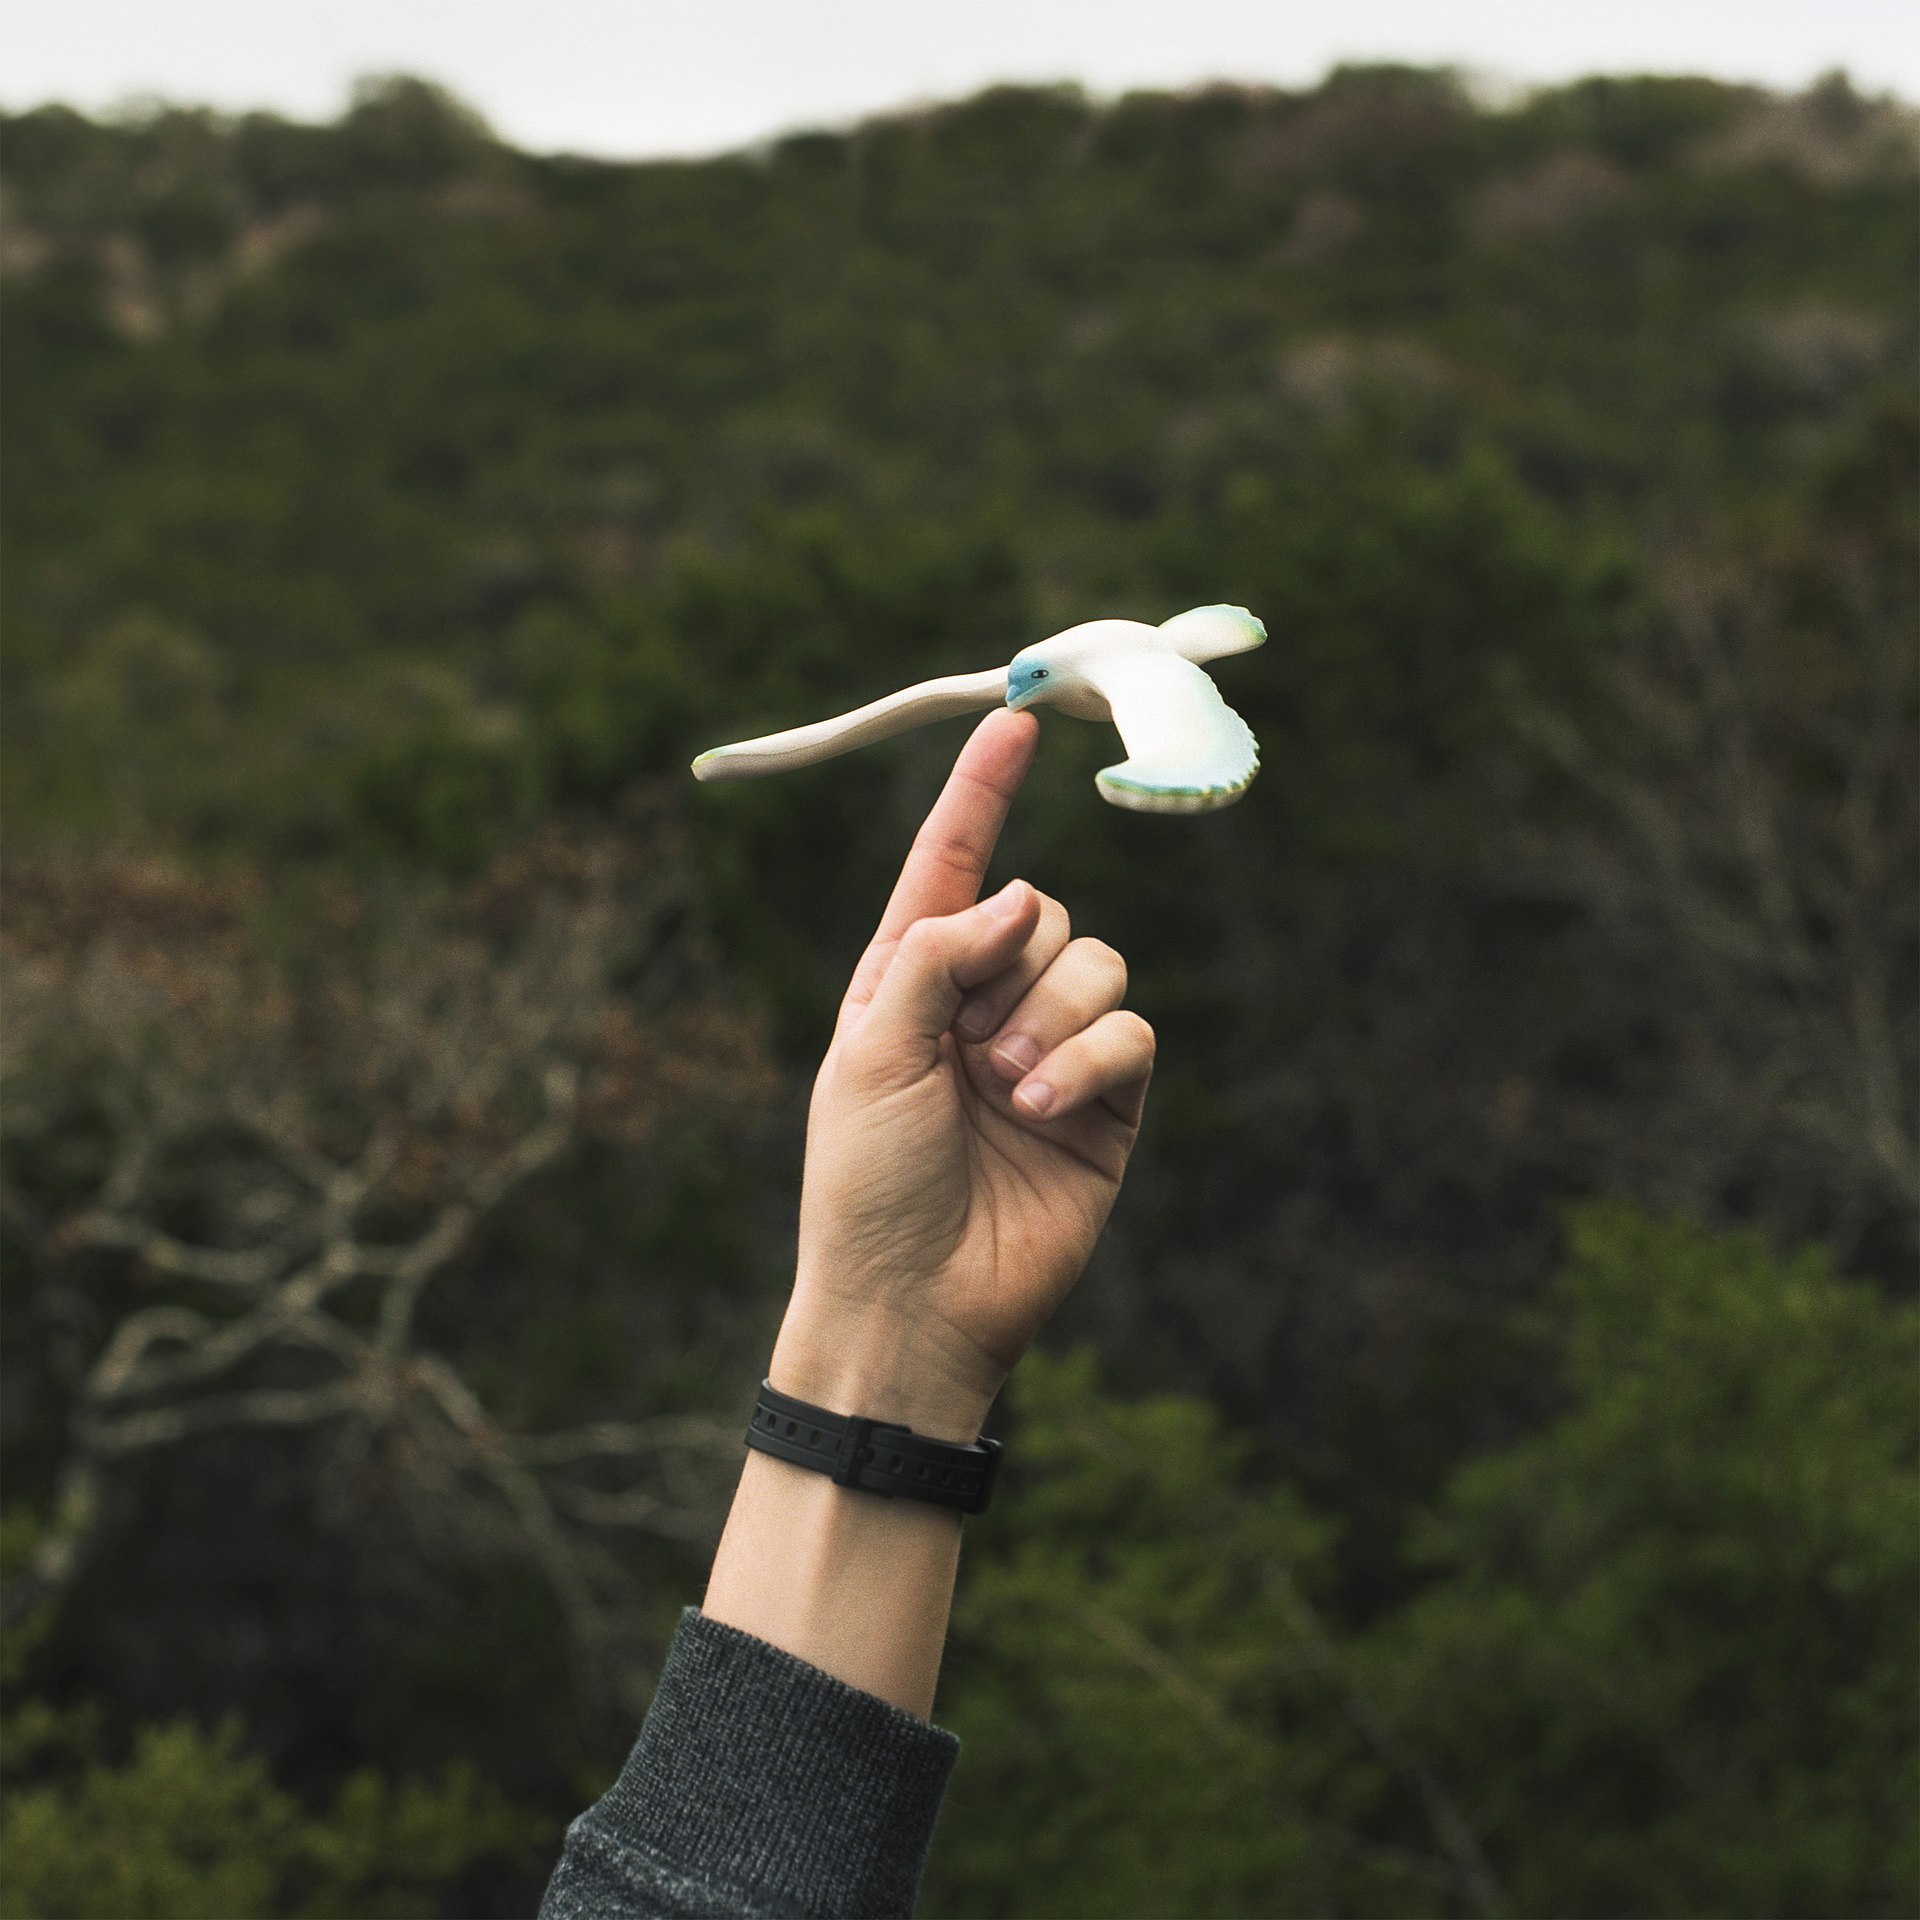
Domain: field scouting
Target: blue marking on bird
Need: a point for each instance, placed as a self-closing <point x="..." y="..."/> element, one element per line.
<point x="1188" y="751"/>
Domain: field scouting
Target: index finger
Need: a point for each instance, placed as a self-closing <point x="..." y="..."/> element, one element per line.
<point x="949" y="856"/>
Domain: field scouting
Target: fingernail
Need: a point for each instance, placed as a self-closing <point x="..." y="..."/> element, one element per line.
<point x="1036" y="1099"/>
<point x="974" y="1021"/>
<point x="1006" y="904"/>
<point x="1015" y="1055"/>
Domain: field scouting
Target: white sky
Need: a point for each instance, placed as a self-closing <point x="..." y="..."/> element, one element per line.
<point x="641" y="77"/>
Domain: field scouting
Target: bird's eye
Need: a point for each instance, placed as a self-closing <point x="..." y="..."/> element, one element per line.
<point x="1039" y="673"/>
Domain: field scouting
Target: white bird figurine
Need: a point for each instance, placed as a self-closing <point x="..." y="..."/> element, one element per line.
<point x="1187" y="750"/>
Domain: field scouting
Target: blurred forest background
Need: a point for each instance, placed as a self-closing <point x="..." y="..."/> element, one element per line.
<point x="1476" y="1475"/>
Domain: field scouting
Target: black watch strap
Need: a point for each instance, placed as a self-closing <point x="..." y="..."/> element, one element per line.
<point x="876" y="1456"/>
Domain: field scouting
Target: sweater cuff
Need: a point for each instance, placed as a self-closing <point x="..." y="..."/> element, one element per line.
<point x="757" y="1772"/>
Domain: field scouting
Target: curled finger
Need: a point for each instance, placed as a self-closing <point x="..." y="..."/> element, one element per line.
<point x="1109" y="1061"/>
<point x="983" y="1010"/>
<point x="1087" y="979"/>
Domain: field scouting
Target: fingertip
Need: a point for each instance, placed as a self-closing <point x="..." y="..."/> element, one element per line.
<point x="1017" y="908"/>
<point x="975" y="1021"/>
<point x="1013" y="901"/>
<point x="1000" y="750"/>
<point x="993" y="932"/>
<point x="1023" y="730"/>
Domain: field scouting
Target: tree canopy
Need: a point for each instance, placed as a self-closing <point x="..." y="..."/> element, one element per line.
<point x="1476" y="1473"/>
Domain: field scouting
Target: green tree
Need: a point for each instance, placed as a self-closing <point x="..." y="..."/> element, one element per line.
<point x="1670" y="1643"/>
<point x="189" y="1826"/>
<point x="193" y="1828"/>
<point x="1123" y="1666"/>
<point x="1663" y="1664"/>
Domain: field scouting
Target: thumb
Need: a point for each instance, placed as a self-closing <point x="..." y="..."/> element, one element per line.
<point x="934" y="965"/>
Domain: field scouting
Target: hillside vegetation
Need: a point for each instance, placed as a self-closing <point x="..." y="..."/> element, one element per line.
<point x="1475" y="1475"/>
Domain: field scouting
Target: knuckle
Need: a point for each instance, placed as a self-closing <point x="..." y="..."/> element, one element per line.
<point x="1104" y="962"/>
<point x="923" y="944"/>
<point x="944" y="852"/>
<point x="1139" y="1035"/>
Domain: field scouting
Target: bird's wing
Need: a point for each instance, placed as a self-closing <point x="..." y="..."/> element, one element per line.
<point x="1187" y="750"/>
<point x="1207" y="633"/>
<point x="802" y="746"/>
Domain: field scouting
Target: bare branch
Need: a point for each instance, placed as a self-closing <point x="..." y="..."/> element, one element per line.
<point x="1754" y="833"/>
<point x="338" y="1144"/>
<point x="264" y="1407"/>
<point x="217" y="1266"/>
<point x="645" y="1512"/>
<point x="646" y="1438"/>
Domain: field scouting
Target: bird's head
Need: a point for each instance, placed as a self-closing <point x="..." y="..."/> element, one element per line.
<point x="1030" y="678"/>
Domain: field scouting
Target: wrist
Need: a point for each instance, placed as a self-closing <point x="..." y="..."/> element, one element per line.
<point x="887" y="1372"/>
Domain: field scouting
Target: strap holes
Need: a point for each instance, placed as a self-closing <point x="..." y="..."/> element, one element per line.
<point x="792" y="1429"/>
<point x="813" y="1438"/>
<point x="920" y="1473"/>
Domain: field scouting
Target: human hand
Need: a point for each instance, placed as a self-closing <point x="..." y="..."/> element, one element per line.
<point x="969" y="1128"/>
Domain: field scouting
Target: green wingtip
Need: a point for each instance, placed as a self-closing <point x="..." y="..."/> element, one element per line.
<point x="1249" y="627"/>
<point x="1239" y="613"/>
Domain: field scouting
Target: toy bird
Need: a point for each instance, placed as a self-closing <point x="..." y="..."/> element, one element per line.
<point x="1187" y="750"/>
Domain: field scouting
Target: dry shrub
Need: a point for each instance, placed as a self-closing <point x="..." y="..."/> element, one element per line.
<point x="1829" y="136"/>
<point x="1324" y="227"/>
<point x="250" y="1136"/>
<point x="1562" y="193"/>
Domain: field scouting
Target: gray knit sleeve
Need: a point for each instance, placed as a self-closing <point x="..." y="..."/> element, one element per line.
<point x="759" y="1786"/>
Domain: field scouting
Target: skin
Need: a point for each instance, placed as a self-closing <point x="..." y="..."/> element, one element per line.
<point x="969" y="1130"/>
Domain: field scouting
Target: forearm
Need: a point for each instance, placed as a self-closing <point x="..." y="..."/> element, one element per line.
<point x="851" y="1582"/>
